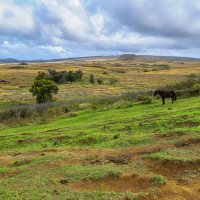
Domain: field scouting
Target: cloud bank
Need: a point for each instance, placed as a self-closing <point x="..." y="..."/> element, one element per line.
<point x="67" y="28"/>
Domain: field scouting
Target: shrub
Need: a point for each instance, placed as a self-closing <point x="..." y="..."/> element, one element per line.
<point x="79" y="75"/>
<point x="195" y="89"/>
<point x="99" y="81"/>
<point x="192" y="76"/>
<point x="183" y="85"/>
<point x="145" y="70"/>
<point x="24" y="63"/>
<point x="158" y="180"/>
<point x="83" y="106"/>
<point x="144" y="99"/>
<point x="91" y="79"/>
<point x="43" y="88"/>
<point x="186" y="88"/>
<point x="65" y="76"/>
<point x="24" y="112"/>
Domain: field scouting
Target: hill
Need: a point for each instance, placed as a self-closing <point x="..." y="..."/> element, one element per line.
<point x="127" y="57"/>
<point x="151" y="151"/>
<point x="123" y="57"/>
<point x="133" y="57"/>
<point x="12" y="60"/>
<point x="9" y="60"/>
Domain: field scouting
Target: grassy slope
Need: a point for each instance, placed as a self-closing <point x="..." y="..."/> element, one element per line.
<point x="28" y="175"/>
<point x="136" y="125"/>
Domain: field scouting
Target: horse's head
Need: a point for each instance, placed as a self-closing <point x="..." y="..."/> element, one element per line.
<point x="156" y="92"/>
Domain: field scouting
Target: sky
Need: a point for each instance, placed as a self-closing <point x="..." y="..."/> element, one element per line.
<point x="47" y="29"/>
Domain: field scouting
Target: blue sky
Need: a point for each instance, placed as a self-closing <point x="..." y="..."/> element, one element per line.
<point x="44" y="29"/>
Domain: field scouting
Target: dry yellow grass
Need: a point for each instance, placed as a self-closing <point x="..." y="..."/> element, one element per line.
<point x="134" y="75"/>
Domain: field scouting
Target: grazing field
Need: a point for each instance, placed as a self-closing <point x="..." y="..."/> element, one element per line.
<point x="125" y="150"/>
<point x="140" y="152"/>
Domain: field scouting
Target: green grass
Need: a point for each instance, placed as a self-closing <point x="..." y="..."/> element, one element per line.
<point x="158" y="180"/>
<point x="178" y="155"/>
<point x="31" y="175"/>
<point x="67" y="195"/>
<point x="78" y="172"/>
<point x="136" y="125"/>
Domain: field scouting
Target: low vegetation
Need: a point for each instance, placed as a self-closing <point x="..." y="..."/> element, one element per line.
<point x="158" y="180"/>
<point x="107" y="140"/>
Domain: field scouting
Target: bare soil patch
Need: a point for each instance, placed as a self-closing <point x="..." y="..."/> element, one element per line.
<point x="115" y="184"/>
<point x="171" y="169"/>
<point x="188" y="142"/>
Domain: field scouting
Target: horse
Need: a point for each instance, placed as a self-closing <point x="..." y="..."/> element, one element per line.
<point x="166" y="94"/>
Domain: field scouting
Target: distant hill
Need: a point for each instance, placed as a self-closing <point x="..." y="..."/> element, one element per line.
<point x="12" y="60"/>
<point x="127" y="57"/>
<point x="131" y="57"/>
<point x="123" y="57"/>
<point x="9" y="60"/>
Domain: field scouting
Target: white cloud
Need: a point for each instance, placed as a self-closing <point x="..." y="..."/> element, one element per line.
<point x="97" y="22"/>
<point x="16" y="19"/>
<point x="57" y="50"/>
<point x="58" y="27"/>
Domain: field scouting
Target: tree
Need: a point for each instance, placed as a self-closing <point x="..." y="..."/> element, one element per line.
<point x="43" y="88"/>
<point x="71" y="76"/>
<point x="79" y="74"/>
<point x="92" y="80"/>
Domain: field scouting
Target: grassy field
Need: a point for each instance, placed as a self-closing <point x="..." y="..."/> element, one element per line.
<point x="124" y="149"/>
<point x="129" y="75"/>
<point x="140" y="152"/>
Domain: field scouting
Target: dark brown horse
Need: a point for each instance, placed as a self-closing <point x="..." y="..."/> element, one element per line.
<point x="166" y="94"/>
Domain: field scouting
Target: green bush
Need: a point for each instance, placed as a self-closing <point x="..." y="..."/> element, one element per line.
<point x="145" y="70"/>
<point x="195" y="89"/>
<point x="192" y="76"/>
<point x="99" y="81"/>
<point x="43" y="88"/>
<point x="92" y="79"/>
<point x="65" y="76"/>
<point x="187" y="88"/>
<point x="158" y="180"/>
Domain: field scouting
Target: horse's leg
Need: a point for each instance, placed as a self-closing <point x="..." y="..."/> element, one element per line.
<point x="163" y="99"/>
<point x="172" y="99"/>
